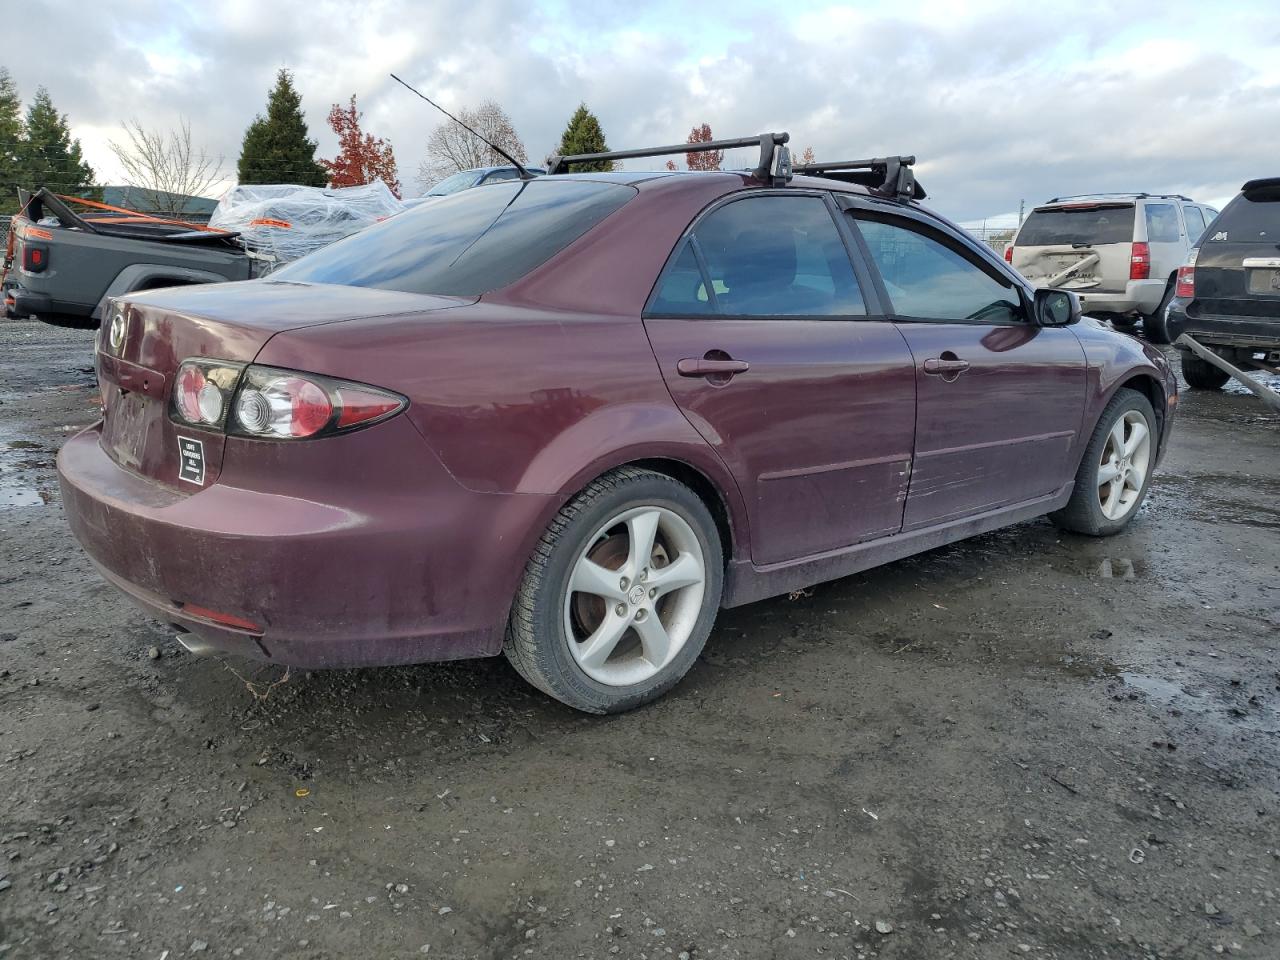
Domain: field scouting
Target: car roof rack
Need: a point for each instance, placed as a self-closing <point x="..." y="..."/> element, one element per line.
<point x="774" y="157"/>
<point x="1125" y="196"/>
<point x="890" y="177"/>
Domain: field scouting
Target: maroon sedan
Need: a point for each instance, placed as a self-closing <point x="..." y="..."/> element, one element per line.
<point x="570" y="418"/>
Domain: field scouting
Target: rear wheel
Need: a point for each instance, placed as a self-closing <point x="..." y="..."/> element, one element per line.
<point x="620" y="594"/>
<point x="1116" y="469"/>
<point x="1156" y="325"/>
<point x="1201" y="374"/>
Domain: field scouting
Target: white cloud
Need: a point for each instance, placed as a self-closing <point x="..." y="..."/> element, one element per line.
<point x="1001" y="101"/>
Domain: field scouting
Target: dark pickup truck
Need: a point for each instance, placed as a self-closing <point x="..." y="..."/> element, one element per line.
<point x="61" y="266"/>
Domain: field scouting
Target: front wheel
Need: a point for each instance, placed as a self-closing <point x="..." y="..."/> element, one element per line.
<point x="1116" y="470"/>
<point x="620" y="594"/>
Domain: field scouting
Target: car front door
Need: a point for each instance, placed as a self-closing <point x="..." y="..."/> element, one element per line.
<point x="999" y="400"/>
<point x="771" y="343"/>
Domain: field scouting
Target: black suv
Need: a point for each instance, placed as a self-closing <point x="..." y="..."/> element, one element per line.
<point x="1228" y="295"/>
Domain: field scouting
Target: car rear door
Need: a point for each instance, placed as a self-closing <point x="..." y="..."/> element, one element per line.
<point x="999" y="400"/>
<point x="772" y="344"/>
<point x="1238" y="265"/>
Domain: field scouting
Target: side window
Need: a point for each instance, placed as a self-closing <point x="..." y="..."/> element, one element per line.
<point x="769" y="256"/>
<point x="1162" y="223"/>
<point x="499" y="175"/>
<point x="927" y="280"/>
<point x="683" y="289"/>
<point x="1195" y="223"/>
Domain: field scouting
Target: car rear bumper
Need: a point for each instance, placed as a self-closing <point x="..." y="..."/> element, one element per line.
<point x="1139" y="296"/>
<point x="1256" y="333"/>
<point x="413" y="570"/>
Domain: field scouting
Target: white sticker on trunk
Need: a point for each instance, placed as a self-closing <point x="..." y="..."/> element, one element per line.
<point x="191" y="453"/>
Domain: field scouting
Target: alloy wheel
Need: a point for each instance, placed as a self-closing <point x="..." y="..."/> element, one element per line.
<point x="634" y="595"/>
<point x="1125" y="462"/>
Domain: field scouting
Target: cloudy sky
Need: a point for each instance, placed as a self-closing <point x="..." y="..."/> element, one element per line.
<point x="1001" y="101"/>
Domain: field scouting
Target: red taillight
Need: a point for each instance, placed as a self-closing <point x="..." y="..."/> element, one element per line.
<point x="360" y="406"/>
<point x="1186" y="288"/>
<point x="1008" y="254"/>
<point x="1140" y="262"/>
<point x="281" y="404"/>
<point x="34" y="259"/>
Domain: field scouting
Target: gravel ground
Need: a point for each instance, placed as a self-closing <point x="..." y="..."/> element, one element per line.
<point x="1026" y="744"/>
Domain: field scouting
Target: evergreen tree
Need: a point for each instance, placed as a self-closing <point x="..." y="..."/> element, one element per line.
<point x="47" y="155"/>
<point x="276" y="148"/>
<point x="583" y="135"/>
<point x="10" y="139"/>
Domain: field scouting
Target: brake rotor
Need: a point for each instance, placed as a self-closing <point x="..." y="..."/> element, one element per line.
<point x="611" y="553"/>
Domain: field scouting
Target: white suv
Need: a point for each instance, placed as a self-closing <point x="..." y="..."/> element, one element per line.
<point x="1120" y="252"/>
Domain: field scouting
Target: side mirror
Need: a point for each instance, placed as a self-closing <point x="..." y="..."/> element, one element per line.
<point x="1056" y="308"/>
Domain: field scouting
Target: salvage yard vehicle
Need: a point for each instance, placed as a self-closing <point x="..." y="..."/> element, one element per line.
<point x="63" y="267"/>
<point x="475" y="177"/>
<point x="571" y="417"/>
<point x="1228" y="293"/>
<point x="1120" y="252"/>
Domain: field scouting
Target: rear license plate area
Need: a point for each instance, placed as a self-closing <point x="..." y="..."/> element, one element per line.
<point x="1264" y="281"/>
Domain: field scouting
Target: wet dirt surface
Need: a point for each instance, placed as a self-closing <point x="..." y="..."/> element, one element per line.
<point x="1026" y="744"/>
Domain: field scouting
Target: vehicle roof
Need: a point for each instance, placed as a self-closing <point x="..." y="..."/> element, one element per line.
<point x="1261" y="183"/>
<point x="1112" y="197"/>
<point x="733" y="179"/>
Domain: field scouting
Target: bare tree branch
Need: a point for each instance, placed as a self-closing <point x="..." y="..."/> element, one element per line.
<point x="166" y="166"/>
<point x="450" y="148"/>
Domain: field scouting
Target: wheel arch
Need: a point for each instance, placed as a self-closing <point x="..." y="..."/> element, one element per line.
<point x="1150" y="387"/>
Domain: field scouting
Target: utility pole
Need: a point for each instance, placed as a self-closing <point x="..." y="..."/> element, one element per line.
<point x="1022" y="205"/>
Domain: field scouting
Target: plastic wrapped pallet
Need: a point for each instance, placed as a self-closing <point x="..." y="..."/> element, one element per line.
<point x="282" y="222"/>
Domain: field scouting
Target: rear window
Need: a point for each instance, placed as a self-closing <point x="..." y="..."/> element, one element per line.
<point x="468" y="243"/>
<point x="1254" y="216"/>
<point x="1054" y="226"/>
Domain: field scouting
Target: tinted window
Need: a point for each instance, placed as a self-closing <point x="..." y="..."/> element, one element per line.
<point x="467" y="243"/>
<point x="929" y="280"/>
<point x="1252" y="217"/>
<point x="459" y="181"/>
<point x="507" y="173"/>
<point x="1162" y="223"/>
<point x="1195" y="222"/>
<point x="1100" y="223"/>
<point x="774" y="257"/>
<point x="683" y="289"/>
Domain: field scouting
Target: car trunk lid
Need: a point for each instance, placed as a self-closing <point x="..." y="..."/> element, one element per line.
<point x="1079" y="246"/>
<point x="145" y="338"/>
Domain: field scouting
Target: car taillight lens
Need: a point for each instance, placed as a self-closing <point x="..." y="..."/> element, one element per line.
<point x="269" y="403"/>
<point x="286" y="405"/>
<point x="202" y="391"/>
<point x="35" y="259"/>
<point x="1186" y="287"/>
<point x="1140" y="262"/>
<point x="1008" y="254"/>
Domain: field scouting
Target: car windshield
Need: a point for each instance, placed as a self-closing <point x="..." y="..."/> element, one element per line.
<point x="468" y="243"/>
<point x="459" y="181"/>
<point x="1093" y="224"/>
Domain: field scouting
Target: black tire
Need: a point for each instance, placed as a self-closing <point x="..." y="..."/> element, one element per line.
<point x="1201" y="374"/>
<point x="1083" y="512"/>
<point x="1156" y="325"/>
<point x="537" y="643"/>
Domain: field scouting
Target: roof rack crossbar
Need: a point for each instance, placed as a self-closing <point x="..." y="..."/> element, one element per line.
<point x="765" y="141"/>
<point x="897" y="179"/>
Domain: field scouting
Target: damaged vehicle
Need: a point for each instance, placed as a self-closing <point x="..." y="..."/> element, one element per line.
<point x="1119" y="252"/>
<point x="62" y="267"/>
<point x="569" y="418"/>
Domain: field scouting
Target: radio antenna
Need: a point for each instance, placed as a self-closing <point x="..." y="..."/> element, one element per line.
<point x="524" y="174"/>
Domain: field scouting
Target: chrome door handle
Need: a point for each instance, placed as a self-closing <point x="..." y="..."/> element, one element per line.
<point x="702" y="367"/>
<point x="947" y="369"/>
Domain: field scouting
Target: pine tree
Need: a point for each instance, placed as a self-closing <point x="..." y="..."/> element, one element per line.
<point x="10" y="139"/>
<point x="276" y="148"/>
<point x="583" y="135"/>
<point x="48" y="156"/>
